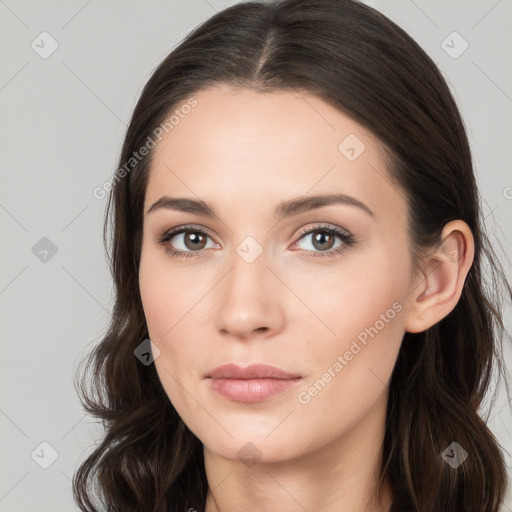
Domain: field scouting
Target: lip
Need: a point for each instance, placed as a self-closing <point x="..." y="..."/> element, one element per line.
<point x="253" y="371"/>
<point x="254" y="383"/>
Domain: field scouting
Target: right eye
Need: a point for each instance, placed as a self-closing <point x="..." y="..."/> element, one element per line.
<point x="191" y="241"/>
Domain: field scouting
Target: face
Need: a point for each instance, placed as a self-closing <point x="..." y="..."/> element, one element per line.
<point x="319" y="291"/>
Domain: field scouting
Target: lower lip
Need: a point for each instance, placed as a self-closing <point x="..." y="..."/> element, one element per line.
<point x="251" y="390"/>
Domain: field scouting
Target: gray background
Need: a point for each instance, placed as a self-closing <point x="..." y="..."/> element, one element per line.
<point x="62" y="123"/>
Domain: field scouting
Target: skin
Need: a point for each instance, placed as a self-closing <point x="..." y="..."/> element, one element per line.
<point x="245" y="152"/>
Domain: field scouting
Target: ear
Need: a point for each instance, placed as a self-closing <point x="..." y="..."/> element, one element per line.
<point x="442" y="278"/>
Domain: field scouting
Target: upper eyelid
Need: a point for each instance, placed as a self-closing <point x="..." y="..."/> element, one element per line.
<point x="326" y="226"/>
<point x="178" y="230"/>
<point x="303" y="231"/>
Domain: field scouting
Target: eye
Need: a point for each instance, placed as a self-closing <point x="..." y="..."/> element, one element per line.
<point x="190" y="241"/>
<point x="321" y="241"/>
<point x="187" y="241"/>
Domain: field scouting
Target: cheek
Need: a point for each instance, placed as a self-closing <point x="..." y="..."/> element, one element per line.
<point x="365" y="308"/>
<point x="166" y="293"/>
<point x="171" y="299"/>
<point x="358" y="295"/>
<point x="350" y="374"/>
<point x="166" y="303"/>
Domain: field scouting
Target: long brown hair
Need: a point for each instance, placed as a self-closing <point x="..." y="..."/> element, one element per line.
<point x="358" y="60"/>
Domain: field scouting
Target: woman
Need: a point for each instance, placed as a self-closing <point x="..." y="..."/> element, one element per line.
<point x="301" y="321"/>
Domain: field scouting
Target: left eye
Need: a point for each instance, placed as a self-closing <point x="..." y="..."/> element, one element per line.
<point x="322" y="240"/>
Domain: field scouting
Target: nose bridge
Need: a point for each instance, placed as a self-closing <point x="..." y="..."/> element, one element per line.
<point x="248" y="299"/>
<point x="248" y="271"/>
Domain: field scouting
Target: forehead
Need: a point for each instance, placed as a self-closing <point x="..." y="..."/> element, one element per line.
<point x="240" y="119"/>
<point x="246" y="147"/>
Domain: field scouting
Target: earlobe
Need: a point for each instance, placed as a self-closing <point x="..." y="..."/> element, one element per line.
<point x="444" y="273"/>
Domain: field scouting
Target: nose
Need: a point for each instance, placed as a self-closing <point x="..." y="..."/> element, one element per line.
<point x="249" y="300"/>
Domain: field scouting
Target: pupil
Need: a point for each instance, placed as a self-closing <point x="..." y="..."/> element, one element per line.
<point x="194" y="238"/>
<point x="321" y="236"/>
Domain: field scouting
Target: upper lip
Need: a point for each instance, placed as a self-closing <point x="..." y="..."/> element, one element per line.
<point x="254" y="371"/>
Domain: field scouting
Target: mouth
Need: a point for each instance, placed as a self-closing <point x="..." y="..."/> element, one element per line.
<point x="252" y="384"/>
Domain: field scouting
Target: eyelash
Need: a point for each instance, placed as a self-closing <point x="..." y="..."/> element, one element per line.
<point x="347" y="238"/>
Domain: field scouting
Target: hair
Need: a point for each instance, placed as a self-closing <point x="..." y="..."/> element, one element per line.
<point x="356" y="59"/>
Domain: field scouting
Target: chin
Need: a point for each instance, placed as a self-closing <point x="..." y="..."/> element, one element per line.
<point x="255" y="447"/>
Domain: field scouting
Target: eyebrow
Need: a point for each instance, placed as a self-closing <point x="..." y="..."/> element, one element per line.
<point x="284" y="209"/>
